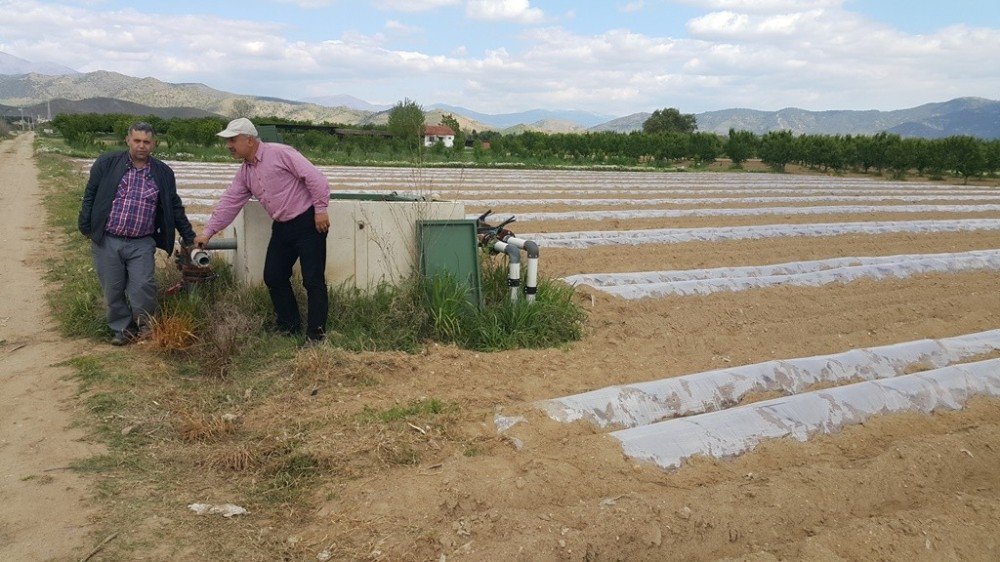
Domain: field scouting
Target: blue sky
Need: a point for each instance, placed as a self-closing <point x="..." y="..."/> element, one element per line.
<point x="614" y="58"/>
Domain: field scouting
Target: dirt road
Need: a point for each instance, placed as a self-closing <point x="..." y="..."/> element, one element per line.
<point x="43" y="514"/>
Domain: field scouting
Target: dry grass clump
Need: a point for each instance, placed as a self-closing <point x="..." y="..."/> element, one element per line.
<point x="231" y="328"/>
<point x="242" y="457"/>
<point x="204" y="428"/>
<point x="173" y="330"/>
<point x="332" y="365"/>
<point x="393" y="447"/>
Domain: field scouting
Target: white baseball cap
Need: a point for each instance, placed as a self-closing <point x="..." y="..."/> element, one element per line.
<point x="241" y="126"/>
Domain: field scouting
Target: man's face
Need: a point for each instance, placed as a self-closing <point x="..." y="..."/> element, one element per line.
<point x="140" y="145"/>
<point x="242" y="146"/>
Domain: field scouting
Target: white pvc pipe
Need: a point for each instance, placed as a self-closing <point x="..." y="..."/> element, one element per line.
<point x="731" y="432"/>
<point x="531" y="280"/>
<point x="513" y="266"/>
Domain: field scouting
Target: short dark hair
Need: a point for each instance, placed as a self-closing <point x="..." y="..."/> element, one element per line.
<point x="142" y="127"/>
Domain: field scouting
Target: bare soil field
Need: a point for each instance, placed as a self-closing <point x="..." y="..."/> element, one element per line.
<point x="449" y="486"/>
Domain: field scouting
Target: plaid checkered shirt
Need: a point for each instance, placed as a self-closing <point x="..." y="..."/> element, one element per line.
<point x="133" y="210"/>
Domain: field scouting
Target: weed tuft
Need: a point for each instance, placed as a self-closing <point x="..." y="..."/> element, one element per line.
<point x="241" y="457"/>
<point x="202" y="427"/>
<point x="426" y="407"/>
<point x="173" y="328"/>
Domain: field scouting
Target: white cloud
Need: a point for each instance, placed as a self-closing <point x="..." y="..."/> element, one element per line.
<point x="308" y="4"/>
<point x="634" y="6"/>
<point x="400" y="28"/>
<point x="719" y="24"/>
<point x="817" y="57"/>
<point x="519" y="11"/>
<point x="413" y="5"/>
<point x="763" y="6"/>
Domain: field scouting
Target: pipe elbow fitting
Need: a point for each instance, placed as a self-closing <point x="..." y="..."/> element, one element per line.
<point x="513" y="252"/>
<point x="531" y="248"/>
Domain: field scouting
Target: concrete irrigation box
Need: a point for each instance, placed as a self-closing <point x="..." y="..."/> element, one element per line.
<point x="372" y="239"/>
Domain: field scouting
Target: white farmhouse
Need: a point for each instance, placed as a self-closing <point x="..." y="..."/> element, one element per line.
<point x="438" y="133"/>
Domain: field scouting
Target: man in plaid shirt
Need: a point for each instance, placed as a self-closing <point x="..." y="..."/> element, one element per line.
<point x="130" y="208"/>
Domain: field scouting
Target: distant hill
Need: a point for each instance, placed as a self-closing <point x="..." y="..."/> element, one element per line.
<point x="583" y="119"/>
<point x="9" y="64"/>
<point x="344" y="100"/>
<point x="625" y="124"/>
<point x="28" y="89"/>
<point x="547" y="126"/>
<point x="432" y="117"/>
<point x="982" y="122"/>
<point x="962" y="116"/>
<point x="104" y="91"/>
<point x="104" y="105"/>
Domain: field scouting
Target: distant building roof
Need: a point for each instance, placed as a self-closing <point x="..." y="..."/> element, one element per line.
<point x="438" y="130"/>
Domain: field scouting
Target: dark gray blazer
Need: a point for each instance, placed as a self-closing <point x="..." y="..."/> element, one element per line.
<point x="106" y="174"/>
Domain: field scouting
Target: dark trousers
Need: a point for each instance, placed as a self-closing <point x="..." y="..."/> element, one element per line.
<point x="298" y="239"/>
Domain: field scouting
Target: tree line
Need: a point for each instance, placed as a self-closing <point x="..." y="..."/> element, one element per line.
<point x="87" y="128"/>
<point x="667" y="139"/>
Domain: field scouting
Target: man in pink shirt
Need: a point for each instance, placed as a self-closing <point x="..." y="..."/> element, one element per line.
<point x="295" y="194"/>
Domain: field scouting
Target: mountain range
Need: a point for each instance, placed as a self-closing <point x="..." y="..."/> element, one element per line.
<point x="41" y="89"/>
<point x="9" y="64"/>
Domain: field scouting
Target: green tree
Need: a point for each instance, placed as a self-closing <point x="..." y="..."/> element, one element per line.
<point x="704" y="147"/>
<point x="991" y="152"/>
<point x="872" y="151"/>
<point x="406" y="121"/>
<point x="777" y="148"/>
<point x="905" y="155"/>
<point x="964" y="156"/>
<point x="452" y="123"/>
<point x="740" y="146"/>
<point x="669" y="120"/>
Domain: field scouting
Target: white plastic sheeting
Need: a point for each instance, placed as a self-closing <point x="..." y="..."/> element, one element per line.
<point x="815" y="273"/>
<point x="594" y="202"/>
<point x="587" y="239"/>
<point x="746" y="212"/>
<point x="731" y="432"/>
<point x="644" y="403"/>
<point x="208" y="196"/>
<point x="639" y="177"/>
<point x="792" y="193"/>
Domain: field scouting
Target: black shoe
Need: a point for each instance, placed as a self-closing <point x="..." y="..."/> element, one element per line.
<point x="119" y="340"/>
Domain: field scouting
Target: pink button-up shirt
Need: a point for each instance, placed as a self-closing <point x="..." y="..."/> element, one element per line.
<point x="285" y="183"/>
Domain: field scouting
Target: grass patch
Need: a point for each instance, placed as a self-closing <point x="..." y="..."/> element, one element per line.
<point x="423" y="408"/>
